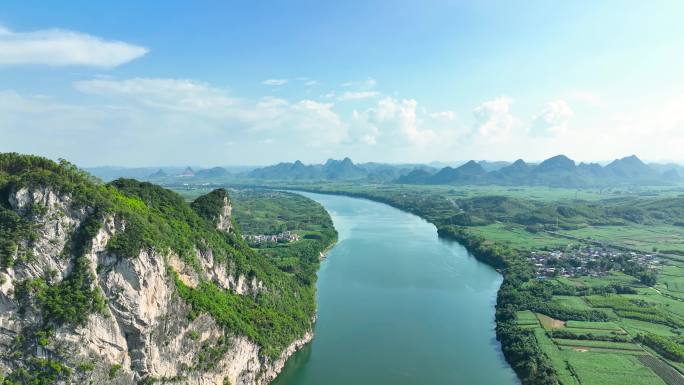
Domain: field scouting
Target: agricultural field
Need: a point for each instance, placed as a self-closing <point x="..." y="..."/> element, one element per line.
<point x="527" y="318"/>
<point x="599" y="362"/>
<point x="517" y="237"/>
<point x="647" y="238"/>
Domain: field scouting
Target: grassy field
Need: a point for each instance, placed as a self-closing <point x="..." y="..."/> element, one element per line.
<point x="646" y="238"/>
<point x="517" y="237"/>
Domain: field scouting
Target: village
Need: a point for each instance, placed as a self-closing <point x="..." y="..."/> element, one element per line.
<point x="284" y="237"/>
<point x="592" y="261"/>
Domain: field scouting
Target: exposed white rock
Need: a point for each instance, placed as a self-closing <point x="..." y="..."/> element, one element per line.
<point x="224" y="220"/>
<point x="146" y="327"/>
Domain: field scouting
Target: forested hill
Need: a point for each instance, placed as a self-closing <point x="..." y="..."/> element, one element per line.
<point x="126" y="283"/>
<point x="558" y="171"/>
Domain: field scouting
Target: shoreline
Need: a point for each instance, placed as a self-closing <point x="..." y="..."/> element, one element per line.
<point x="498" y="266"/>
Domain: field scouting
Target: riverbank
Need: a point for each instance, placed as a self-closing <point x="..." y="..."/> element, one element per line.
<point x="384" y="254"/>
<point x="518" y="345"/>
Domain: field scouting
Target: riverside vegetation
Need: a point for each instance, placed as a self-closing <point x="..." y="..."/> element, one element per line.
<point x="73" y="250"/>
<point x="611" y="328"/>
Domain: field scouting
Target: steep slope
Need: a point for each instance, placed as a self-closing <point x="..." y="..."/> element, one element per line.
<point x="125" y="283"/>
<point x="342" y="169"/>
<point x="631" y="167"/>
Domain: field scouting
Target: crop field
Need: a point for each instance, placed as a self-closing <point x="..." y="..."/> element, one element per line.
<point x="571" y="302"/>
<point x="596" y="365"/>
<point x="517" y="237"/>
<point x="664" y="371"/>
<point x="598" y="368"/>
<point x="641" y="237"/>
<point x="615" y="277"/>
<point x="590" y="362"/>
<point x="593" y="325"/>
<point x="599" y="344"/>
<point x="550" y="323"/>
<point x="527" y="319"/>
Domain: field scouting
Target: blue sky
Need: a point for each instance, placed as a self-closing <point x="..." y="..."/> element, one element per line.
<point x="221" y="82"/>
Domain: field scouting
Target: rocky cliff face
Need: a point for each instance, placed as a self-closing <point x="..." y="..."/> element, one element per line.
<point x="144" y="331"/>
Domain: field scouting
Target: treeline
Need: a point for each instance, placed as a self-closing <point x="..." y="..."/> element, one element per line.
<point x="519" y="345"/>
<point x="565" y="334"/>
<point x="663" y="345"/>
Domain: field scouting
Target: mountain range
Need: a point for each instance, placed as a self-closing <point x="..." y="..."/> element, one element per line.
<point x="333" y="169"/>
<point x="557" y="171"/>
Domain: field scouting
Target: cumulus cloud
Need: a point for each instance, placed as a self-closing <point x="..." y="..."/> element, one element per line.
<point x="58" y="47"/>
<point x="552" y="119"/>
<point x="394" y="122"/>
<point x="275" y="82"/>
<point x="493" y="117"/>
<point x="357" y="95"/>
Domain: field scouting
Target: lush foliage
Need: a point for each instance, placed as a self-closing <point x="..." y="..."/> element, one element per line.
<point x="157" y="220"/>
<point x="272" y="212"/>
<point x="665" y="346"/>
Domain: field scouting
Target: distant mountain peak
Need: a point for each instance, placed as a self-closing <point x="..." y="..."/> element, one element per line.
<point x="631" y="167"/>
<point x="159" y="174"/>
<point x="188" y="172"/>
<point x="556" y="163"/>
<point x="471" y="167"/>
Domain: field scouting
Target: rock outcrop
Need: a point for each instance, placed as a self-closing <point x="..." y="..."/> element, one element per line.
<point x="145" y="330"/>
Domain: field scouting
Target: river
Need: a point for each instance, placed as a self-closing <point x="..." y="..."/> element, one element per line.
<point x="399" y="306"/>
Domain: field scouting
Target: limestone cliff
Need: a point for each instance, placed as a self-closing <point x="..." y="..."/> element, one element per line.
<point x="144" y="318"/>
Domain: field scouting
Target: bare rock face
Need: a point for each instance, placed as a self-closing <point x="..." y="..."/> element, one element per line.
<point x="224" y="220"/>
<point x="146" y="329"/>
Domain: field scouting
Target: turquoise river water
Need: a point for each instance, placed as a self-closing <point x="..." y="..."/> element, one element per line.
<point x="399" y="306"/>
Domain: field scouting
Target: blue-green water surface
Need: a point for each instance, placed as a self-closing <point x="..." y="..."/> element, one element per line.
<point x="399" y="306"/>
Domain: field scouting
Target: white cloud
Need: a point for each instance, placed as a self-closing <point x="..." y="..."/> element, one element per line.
<point x="275" y="82"/>
<point x="443" y="115"/>
<point x="363" y="85"/>
<point x="174" y="94"/>
<point x="552" y="119"/>
<point x="357" y="95"/>
<point x="392" y="121"/>
<point x="307" y="122"/>
<point x="493" y="118"/>
<point x="58" y="47"/>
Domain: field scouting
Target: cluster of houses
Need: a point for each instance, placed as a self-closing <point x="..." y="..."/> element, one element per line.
<point x="588" y="261"/>
<point x="284" y="237"/>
